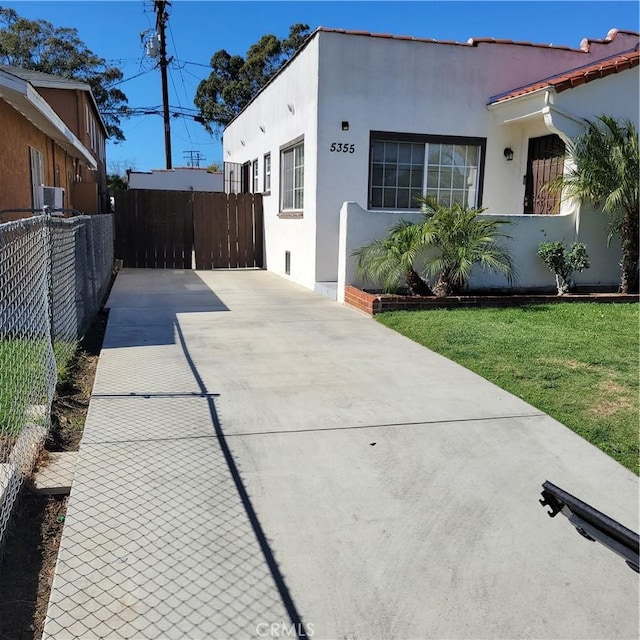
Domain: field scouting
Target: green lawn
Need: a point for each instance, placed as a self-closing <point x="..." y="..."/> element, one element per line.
<point x="577" y="362"/>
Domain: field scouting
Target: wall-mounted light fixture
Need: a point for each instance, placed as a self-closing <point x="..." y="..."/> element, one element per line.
<point x="228" y="152"/>
<point x="508" y="154"/>
<point x="291" y="108"/>
<point x="262" y="128"/>
<point x="243" y="143"/>
<point x="345" y="125"/>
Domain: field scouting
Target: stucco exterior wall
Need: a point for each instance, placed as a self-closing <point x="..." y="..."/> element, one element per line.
<point x="286" y="109"/>
<point x="359" y="227"/>
<point x="423" y="88"/>
<point x="343" y="86"/>
<point x="18" y="134"/>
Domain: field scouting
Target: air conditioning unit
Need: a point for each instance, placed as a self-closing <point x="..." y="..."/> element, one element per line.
<point x="52" y="197"/>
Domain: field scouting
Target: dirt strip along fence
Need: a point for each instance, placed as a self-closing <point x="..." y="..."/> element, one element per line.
<point x="54" y="274"/>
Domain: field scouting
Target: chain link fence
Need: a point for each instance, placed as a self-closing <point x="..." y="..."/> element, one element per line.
<point x="54" y="274"/>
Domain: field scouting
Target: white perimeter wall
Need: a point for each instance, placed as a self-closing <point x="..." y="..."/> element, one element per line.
<point x="245" y="141"/>
<point x="359" y="227"/>
<point x="177" y="180"/>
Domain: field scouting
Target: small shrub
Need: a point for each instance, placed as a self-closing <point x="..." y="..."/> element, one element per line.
<point x="563" y="263"/>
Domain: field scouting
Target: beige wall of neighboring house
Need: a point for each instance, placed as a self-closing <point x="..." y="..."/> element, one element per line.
<point x="77" y="111"/>
<point x="18" y="137"/>
<point x="52" y="135"/>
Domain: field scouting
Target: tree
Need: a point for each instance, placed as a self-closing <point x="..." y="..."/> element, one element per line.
<point x="460" y="239"/>
<point x="234" y="80"/>
<point x="606" y="173"/>
<point x="563" y="263"/>
<point x="390" y="261"/>
<point x="39" y="46"/>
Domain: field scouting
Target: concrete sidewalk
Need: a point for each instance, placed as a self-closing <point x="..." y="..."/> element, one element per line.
<point x="258" y="460"/>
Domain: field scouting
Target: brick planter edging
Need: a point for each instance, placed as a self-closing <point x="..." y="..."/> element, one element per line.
<point x="373" y="303"/>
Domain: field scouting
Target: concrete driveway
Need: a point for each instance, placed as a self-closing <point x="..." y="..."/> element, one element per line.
<point x="260" y="461"/>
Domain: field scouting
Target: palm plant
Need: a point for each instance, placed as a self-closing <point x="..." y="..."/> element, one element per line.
<point x="460" y="239"/>
<point x="606" y="173"/>
<point x="390" y="261"/>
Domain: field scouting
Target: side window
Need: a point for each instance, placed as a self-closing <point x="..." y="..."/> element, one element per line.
<point x="254" y="176"/>
<point x="292" y="178"/>
<point x="36" y="167"/>
<point x="267" y="173"/>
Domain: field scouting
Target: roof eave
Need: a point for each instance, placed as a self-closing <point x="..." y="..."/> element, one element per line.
<point x="22" y="96"/>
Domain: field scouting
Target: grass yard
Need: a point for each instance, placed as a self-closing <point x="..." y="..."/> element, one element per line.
<point x="577" y="362"/>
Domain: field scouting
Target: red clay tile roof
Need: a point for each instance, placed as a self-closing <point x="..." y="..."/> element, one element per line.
<point x="575" y="77"/>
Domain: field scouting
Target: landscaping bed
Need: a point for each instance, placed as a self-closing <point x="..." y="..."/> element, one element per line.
<point x="373" y="303"/>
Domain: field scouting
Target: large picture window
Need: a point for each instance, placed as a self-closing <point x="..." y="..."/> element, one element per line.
<point x="402" y="167"/>
<point x="292" y="177"/>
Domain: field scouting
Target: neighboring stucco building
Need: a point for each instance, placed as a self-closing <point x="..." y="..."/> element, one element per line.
<point x="51" y="131"/>
<point x="178" y="179"/>
<point x="375" y="120"/>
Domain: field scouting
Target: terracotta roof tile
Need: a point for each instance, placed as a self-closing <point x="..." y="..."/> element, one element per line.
<point x="576" y="77"/>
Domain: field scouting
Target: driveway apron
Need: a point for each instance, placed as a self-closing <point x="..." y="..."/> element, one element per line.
<point x="259" y="461"/>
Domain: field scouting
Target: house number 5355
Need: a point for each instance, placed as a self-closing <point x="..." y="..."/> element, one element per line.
<point x="339" y="147"/>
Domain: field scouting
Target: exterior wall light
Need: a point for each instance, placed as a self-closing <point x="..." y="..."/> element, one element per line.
<point x="291" y="108"/>
<point x="508" y="154"/>
<point x="243" y="143"/>
<point x="345" y="125"/>
<point x="262" y="128"/>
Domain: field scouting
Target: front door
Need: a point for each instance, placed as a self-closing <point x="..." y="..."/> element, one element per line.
<point x="545" y="162"/>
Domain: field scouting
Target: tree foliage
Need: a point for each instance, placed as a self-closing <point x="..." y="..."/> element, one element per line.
<point x="390" y="261"/>
<point x="562" y="262"/>
<point x="39" y="46"/>
<point x="445" y="247"/>
<point x="460" y="239"/>
<point x="234" y="80"/>
<point x="607" y="166"/>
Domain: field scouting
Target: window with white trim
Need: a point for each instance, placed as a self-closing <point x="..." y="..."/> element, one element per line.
<point x="254" y="176"/>
<point x="403" y="167"/>
<point x="267" y="173"/>
<point x="292" y="178"/>
<point x="36" y="170"/>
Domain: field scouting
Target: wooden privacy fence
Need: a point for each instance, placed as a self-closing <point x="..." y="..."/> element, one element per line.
<point x="164" y="229"/>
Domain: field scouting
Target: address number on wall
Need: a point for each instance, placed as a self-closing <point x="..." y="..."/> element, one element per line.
<point x="341" y="147"/>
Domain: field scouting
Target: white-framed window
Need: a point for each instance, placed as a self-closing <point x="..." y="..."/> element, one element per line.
<point x="36" y="169"/>
<point x="267" y="173"/>
<point x="402" y="166"/>
<point x="254" y="176"/>
<point x="292" y="176"/>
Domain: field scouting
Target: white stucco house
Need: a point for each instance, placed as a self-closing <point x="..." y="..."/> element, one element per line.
<point x="178" y="179"/>
<point x="356" y="124"/>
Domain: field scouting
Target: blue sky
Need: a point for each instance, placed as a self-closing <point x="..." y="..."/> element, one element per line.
<point x="199" y="29"/>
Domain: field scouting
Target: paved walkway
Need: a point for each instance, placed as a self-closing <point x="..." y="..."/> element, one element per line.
<point x="257" y="457"/>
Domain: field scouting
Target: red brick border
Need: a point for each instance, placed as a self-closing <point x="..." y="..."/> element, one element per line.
<point x="372" y="303"/>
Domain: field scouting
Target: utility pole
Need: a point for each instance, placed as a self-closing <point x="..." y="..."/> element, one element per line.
<point x="160" y="7"/>
<point x="193" y="158"/>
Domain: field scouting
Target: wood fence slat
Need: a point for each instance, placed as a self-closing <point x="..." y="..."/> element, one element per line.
<point x="258" y="230"/>
<point x="232" y="217"/>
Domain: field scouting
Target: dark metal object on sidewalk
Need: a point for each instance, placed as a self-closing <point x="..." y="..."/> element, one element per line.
<point x="592" y="524"/>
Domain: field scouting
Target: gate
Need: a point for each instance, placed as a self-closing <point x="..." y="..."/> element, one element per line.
<point x="161" y="229"/>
